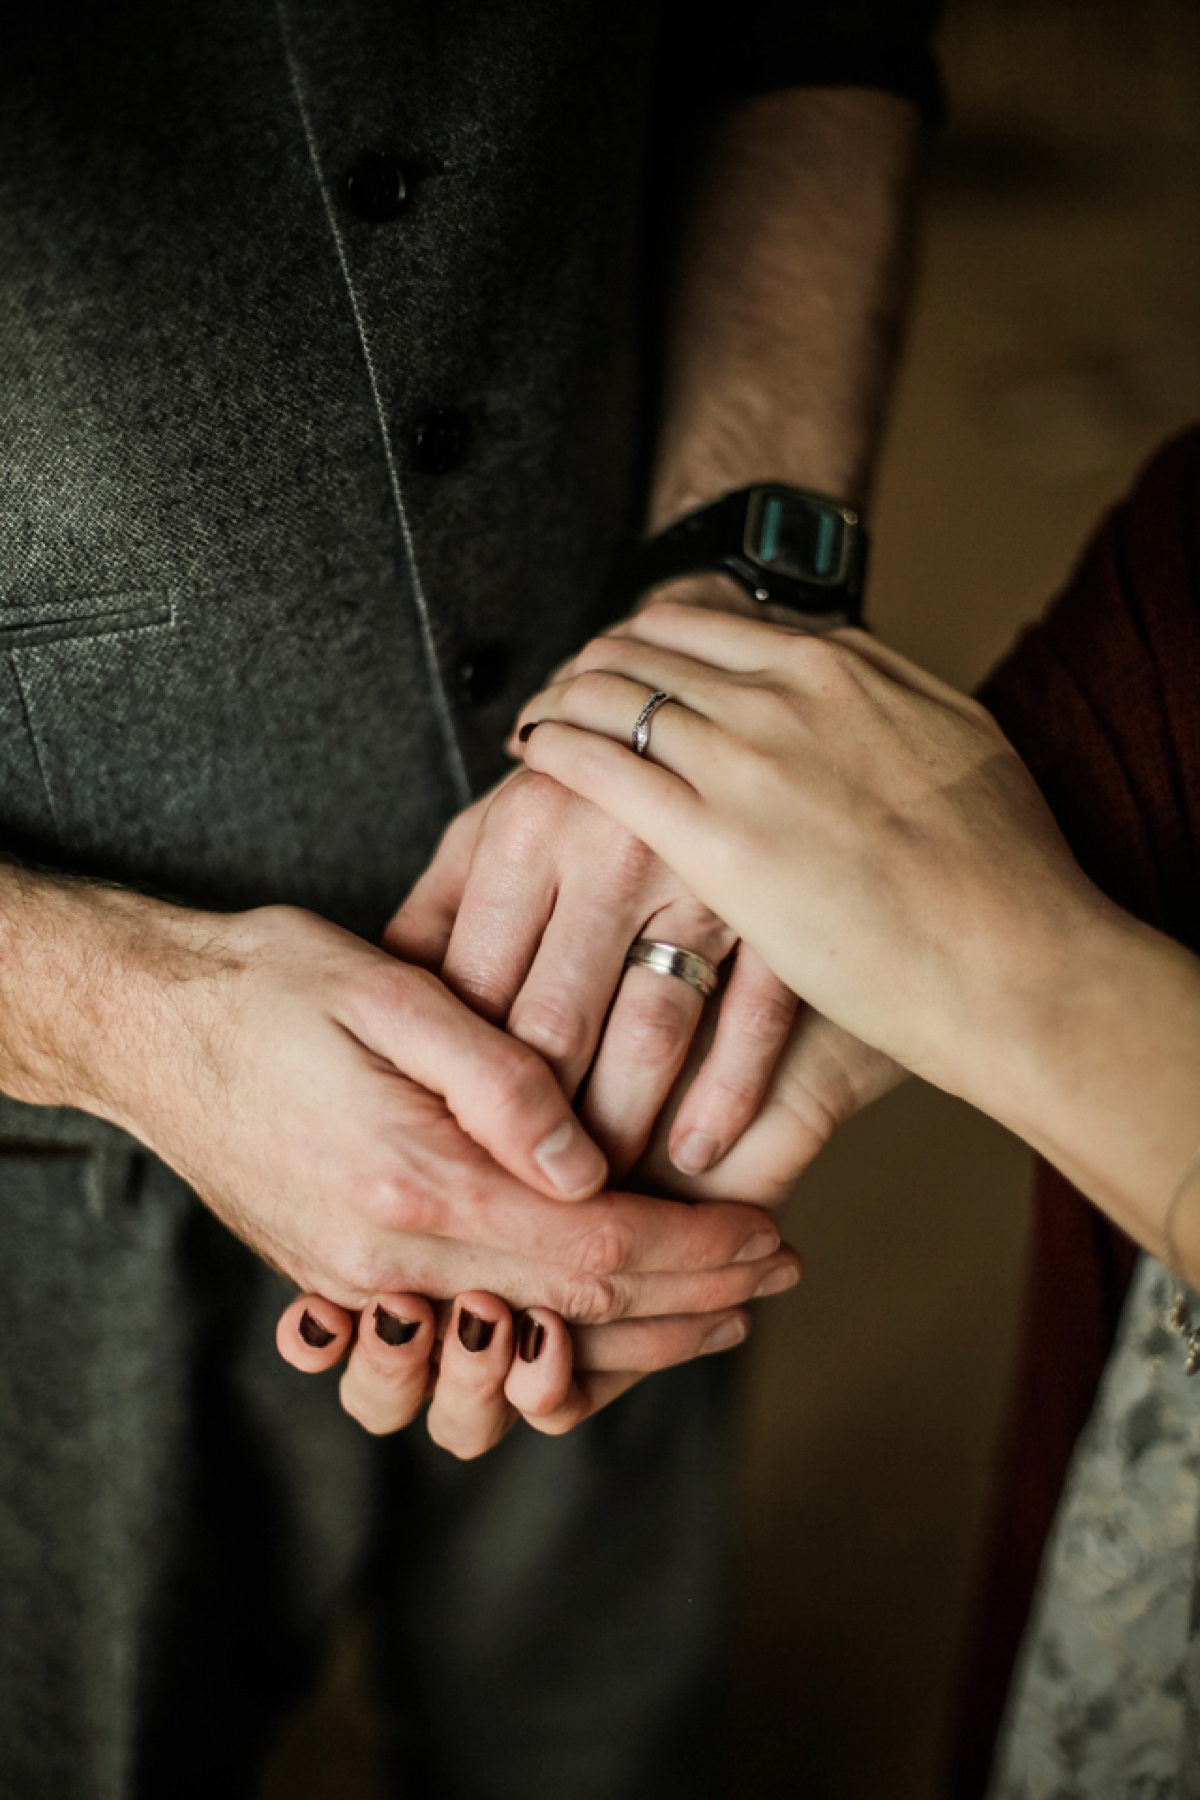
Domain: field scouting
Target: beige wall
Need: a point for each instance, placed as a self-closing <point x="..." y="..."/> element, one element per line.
<point x="1056" y="340"/>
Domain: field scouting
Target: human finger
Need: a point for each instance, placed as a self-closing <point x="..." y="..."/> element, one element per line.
<point x="420" y="930"/>
<point x="542" y="1386"/>
<point x="500" y="1091"/>
<point x="736" y="644"/>
<point x="649" y="1031"/>
<point x="507" y="897"/>
<point x="721" y="639"/>
<point x="469" y="1412"/>
<point x="603" y="1278"/>
<point x="555" y="894"/>
<point x="611" y="700"/>
<point x="313" y="1334"/>
<point x="388" y="1371"/>
<point x="641" y="1346"/>
<point x="662" y="808"/>
<point x="541" y="1377"/>
<point x="587" y="1395"/>
<point x="727" y="1092"/>
<point x="610" y="1359"/>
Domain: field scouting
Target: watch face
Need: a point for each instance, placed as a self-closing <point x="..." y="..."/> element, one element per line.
<point x="798" y="535"/>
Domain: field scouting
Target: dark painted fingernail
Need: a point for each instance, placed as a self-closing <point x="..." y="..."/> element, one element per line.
<point x="474" y="1333"/>
<point x="527" y="731"/>
<point x="532" y="1337"/>
<point x="393" y="1329"/>
<point x="315" y="1335"/>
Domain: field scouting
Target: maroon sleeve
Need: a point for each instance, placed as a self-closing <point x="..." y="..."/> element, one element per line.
<point x="1102" y="699"/>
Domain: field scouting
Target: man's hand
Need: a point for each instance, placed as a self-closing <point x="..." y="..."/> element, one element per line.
<point x="344" y="1114"/>
<point x="528" y="910"/>
<point x="400" y="1353"/>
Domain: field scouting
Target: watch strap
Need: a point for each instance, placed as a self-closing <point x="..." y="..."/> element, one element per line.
<point x="713" y="539"/>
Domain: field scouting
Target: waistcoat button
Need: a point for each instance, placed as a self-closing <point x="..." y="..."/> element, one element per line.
<point x="482" y="673"/>
<point x="440" y="441"/>
<point x="375" y="186"/>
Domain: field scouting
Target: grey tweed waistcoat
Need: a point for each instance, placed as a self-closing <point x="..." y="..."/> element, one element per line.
<point x="234" y="611"/>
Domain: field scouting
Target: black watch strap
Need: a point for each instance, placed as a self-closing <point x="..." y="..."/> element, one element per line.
<point x="785" y="546"/>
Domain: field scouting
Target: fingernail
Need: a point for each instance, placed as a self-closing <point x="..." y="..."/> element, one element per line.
<point x="724" y="1337"/>
<point x="570" y="1159"/>
<point x="763" y="1243"/>
<point x="532" y="1337"/>
<point x="474" y="1333"/>
<point x="778" y="1281"/>
<point x="394" y="1330"/>
<point x="527" y="731"/>
<point x="695" y="1153"/>
<point x="315" y="1335"/>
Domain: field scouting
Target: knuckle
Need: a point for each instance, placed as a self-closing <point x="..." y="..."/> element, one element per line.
<point x="361" y="1268"/>
<point x="653" y="1031"/>
<point x="829" y="661"/>
<point x="709" y="1291"/>
<point x="589" y="1299"/>
<point x="389" y="1199"/>
<point x="524" y="807"/>
<point x="552" y="1025"/>
<point x="664" y="613"/>
<point x="601" y="652"/>
<point x="513" y="1082"/>
<point x="604" y="1251"/>
<point x="628" y="862"/>
<point x="765" y="1017"/>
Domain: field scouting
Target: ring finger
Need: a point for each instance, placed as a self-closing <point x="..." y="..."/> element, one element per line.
<point x="610" y="703"/>
<point x="648" y="1034"/>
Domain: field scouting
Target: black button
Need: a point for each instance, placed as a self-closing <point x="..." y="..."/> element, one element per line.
<point x="440" y="441"/>
<point x="375" y="187"/>
<point x="482" y="673"/>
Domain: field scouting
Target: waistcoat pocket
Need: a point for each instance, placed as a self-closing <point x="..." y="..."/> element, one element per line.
<point x="47" y="620"/>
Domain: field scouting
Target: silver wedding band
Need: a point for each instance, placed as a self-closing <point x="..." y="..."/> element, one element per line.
<point x="640" y="738"/>
<point x="673" y="959"/>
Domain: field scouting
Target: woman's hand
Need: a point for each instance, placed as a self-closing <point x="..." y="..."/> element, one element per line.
<point x="867" y="829"/>
<point x="875" y="838"/>
<point x="479" y="1367"/>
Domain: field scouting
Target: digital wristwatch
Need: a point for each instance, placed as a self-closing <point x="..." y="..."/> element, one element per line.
<point x="785" y="546"/>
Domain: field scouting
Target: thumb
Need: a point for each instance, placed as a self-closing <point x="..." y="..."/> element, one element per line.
<point x="499" y="1090"/>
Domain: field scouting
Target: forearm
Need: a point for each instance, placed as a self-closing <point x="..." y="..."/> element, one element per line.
<point x="789" y="298"/>
<point x="1091" y="1052"/>
<point x="87" y="978"/>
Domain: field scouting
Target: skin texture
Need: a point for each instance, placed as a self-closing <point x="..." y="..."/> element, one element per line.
<point x="781" y="337"/>
<point x="876" y="839"/>
<point x="342" y="1113"/>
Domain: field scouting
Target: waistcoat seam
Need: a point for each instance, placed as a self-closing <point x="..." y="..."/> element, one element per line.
<point x="445" y="717"/>
<point x="34" y="745"/>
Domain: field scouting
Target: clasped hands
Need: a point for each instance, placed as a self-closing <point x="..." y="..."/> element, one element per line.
<point x="516" y="937"/>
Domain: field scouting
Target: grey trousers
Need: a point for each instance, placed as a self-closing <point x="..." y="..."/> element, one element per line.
<point x="181" y="1514"/>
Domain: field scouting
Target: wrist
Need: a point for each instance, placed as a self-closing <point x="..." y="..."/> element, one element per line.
<point x="1091" y="1053"/>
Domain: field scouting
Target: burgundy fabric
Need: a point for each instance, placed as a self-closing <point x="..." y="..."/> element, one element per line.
<point x="1102" y="699"/>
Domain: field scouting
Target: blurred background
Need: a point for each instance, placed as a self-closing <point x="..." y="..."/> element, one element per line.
<point x="1055" y="341"/>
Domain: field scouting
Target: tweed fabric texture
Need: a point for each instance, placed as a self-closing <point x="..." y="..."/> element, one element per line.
<point x="233" y="614"/>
